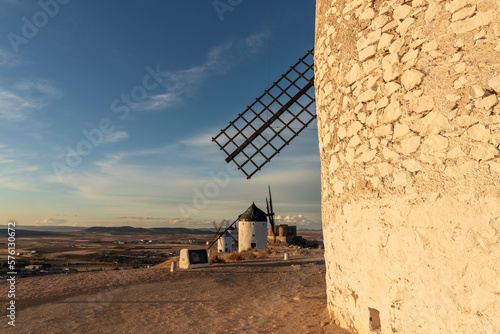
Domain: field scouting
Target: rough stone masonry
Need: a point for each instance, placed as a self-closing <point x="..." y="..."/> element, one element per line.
<point x="407" y="96"/>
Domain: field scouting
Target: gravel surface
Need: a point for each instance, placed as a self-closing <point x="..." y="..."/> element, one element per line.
<point x="267" y="295"/>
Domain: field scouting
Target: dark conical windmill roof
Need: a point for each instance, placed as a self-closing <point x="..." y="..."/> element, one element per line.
<point x="254" y="214"/>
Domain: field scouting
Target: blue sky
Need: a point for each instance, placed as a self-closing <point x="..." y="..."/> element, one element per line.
<point x="137" y="89"/>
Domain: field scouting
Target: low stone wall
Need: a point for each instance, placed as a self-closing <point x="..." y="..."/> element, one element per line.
<point x="408" y="109"/>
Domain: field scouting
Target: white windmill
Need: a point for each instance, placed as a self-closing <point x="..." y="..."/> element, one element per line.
<point x="252" y="228"/>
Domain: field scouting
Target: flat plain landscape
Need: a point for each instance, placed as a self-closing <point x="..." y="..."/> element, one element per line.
<point x="262" y="295"/>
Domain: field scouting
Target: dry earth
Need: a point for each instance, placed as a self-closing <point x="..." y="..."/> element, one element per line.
<point x="267" y="295"/>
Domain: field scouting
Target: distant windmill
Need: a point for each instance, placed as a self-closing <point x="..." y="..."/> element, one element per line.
<point x="272" y="121"/>
<point x="252" y="232"/>
<point x="224" y="239"/>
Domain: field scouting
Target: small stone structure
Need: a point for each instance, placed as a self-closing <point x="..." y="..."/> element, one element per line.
<point x="282" y="233"/>
<point x="407" y="97"/>
<point x="252" y="229"/>
<point x="193" y="258"/>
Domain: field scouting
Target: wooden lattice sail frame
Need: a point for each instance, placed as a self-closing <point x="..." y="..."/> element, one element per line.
<point x="273" y="120"/>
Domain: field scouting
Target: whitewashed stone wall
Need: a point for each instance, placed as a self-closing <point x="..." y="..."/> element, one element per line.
<point x="408" y="108"/>
<point x="252" y="232"/>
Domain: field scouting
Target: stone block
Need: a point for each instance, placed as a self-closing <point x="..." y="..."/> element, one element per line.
<point x="383" y="102"/>
<point x="455" y="153"/>
<point x="412" y="165"/>
<point x="371" y="38"/>
<point x="479" y="20"/>
<point x="367" y="156"/>
<point x="400" y="130"/>
<point x="367" y="96"/>
<point x="334" y="164"/>
<point x="411" y="79"/>
<point x="367" y="52"/>
<point x="389" y="155"/>
<point x="354" y="128"/>
<point x="380" y="21"/>
<point x="424" y="103"/>
<point x="431" y="11"/>
<point x="354" y="141"/>
<point x="403" y="26"/>
<point x="399" y="180"/>
<point x="456" y="5"/>
<point x="392" y="112"/>
<point x="409" y="145"/>
<point x="483" y="152"/>
<point x="433" y="123"/>
<point x="494" y="83"/>
<point x="338" y="188"/>
<point x="430" y="46"/>
<point x="367" y="14"/>
<point x="463" y="13"/>
<point x="410" y="57"/>
<point x="460" y="82"/>
<point x="385" y="41"/>
<point x="433" y="144"/>
<point x="478" y="132"/>
<point x="391" y="88"/>
<point x="401" y="12"/>
<point x="342" y="132"/>
<point x="487" y="102"/>
<point x="384" y="168"/>
<point x="384" y="131"/>
<point x="354" y="74"/>
<point x="371" y="120"/>
<point x="475" y="91"/>
<point x="349" y="156"/>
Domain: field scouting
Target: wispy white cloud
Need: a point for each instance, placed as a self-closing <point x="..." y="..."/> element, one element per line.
<point x="204" y="139"/>
<point x="17" y="170"/>
<point x="183" y="84"/>
<point x="299" y="220"/>
<point x="124" y="185"/>
<point x="115" y="137"/>
<point x="9" y="59"/>
<point x="39" y="88"/>
<point x="50" y="222"/>
<point x="160" y="101"/>
<point x="16" y="103"/>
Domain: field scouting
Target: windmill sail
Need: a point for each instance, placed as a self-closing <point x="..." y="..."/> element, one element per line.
<point x="219" y="235"/>
<point x="272" y="121"/>
<point x="270" y="212"/>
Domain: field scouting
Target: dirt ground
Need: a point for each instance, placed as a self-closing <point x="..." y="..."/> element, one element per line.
<point x="267" y="295"/>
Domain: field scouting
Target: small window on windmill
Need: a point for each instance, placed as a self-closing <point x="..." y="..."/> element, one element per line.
<point x="272" y="121"/>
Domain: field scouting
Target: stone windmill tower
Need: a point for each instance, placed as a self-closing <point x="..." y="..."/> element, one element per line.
<point x="407" y="96"/>
<point x="225" y="243"/>
<point x="252" y="229"/>
<point x="407" y="104"/>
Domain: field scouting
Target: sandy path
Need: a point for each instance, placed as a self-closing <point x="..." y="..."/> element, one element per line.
<point x="259" y="296"/>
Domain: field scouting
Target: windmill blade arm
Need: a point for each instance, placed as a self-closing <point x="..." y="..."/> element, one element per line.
<point x="236" y="241"/>
<point x="270" y="200"/>
<point x="221" y="234"/>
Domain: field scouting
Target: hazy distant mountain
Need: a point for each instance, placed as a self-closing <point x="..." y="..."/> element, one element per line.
<point x="21" y="233"/>
<point x="179" y="230"/>
<point x="49" y="228"/>
<point x="139" y="230"/>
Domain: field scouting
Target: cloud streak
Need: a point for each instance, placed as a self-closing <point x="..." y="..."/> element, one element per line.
<point x="50" y="222"/>
<point x="183" y="84"/>
<point x="115" y="137"/>
<point x="9" y="59"/>
<point x="16" y="103"/>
